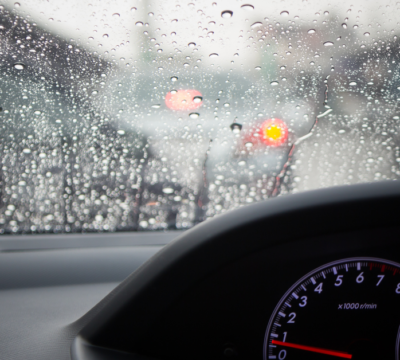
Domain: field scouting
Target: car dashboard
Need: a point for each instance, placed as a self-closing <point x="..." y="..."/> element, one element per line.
<point x="314" y="275"/>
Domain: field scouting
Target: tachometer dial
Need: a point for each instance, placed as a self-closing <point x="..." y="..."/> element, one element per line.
<point x="347" y="309"/>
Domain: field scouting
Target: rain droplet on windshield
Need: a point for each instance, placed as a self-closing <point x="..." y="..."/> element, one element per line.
<point x="311" y="31"/>
<point x="174" y="78"/>
<point x="19" y="66"/>
<point x="236" y="127"/>
<point x="194" y="115"/>
<point x="274" y="83"/>
<point x="344" y="26"/>
<point x="116" y="15"/>
<point x="247" y="7"/>
<point x="367" y="34"/>
<point x="352" y="83"/>
<point x="168" y="190"/>
<point x="156" y="106"/>
<point x="213" y="55"/>
<point x="285" y="13"/>
<point x="257" y="68"/>
<point x="197" y="99"/>
<point x="328" y="43"/>
<point x="256" y="25"/>
<point x="105" y="36"/>
<point x="139" y="23"/>
<point x="227" y="14"/>
<point x="192" y="45"/>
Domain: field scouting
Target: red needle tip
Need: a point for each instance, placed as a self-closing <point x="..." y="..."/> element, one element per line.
<point x="313" y="349"/>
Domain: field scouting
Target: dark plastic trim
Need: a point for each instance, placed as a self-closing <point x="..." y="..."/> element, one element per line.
<point x="213" y="244"/>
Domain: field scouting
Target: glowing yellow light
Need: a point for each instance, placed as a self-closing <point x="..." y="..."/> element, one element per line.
<point x="273" y="132"/>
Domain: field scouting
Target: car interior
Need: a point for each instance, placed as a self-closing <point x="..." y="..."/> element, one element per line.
<point x="199" y="179"/>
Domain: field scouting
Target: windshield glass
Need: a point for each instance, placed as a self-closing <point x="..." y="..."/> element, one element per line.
<point x="154" y="115"/>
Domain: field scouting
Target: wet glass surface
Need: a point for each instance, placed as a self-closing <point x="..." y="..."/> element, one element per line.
<point x="153" y="115"/>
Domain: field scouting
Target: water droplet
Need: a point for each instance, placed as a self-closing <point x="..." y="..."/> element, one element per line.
<point x="328" y="43"/>
<point x="311" y="31"/>
<point x="21" y="183"/>
<point x="105" y="36"/>
<point x="274" y="83"/>
<point x="227" y="104"/>
<point x="156" y="106"/>
<point x="249" y="145"/>
<point x="214" y="55"/>
<point x="17" y="4"/>
<point x="227" y="14"/>
<point x="285" y="13"/>
<point x="247" y="7"/>
<point x="242" y="163"/>
<point x="139" y="23"/>
<point x="341" y="131"/>
<point x="121" y="132"/>
<point x="174" y="21"/>
<point x="257" y="68"/>
<point x="194" y="115"/>
<point x="367" y="34"/>
<point x="26" y="151"/>
<point x="19" y="66"/>
<point x="344" y="26"/>
<point x="236" y="127"/>
<point x="186" y="65"/>
<point x="173" y="91"/>
<point x="355" y="27"/>
<point x="150" y="14"/>
<point x="283" y="67"/>
<point x="37" y="112"/>
<point x="133" y="9"/>
<point x="192" y="45"/>
<point x="174" y="78"/>
<point x="352" y="83"/>
<point x="116" y="15"/>
<point x="168" y="190"/>
<point x="326" y="13"/>
<point x="312" y="63"/>
<point x="256" y="25"/>
<point x="197" y="99"/>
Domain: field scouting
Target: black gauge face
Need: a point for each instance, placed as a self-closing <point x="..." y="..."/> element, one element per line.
<point x="348" y="309"/>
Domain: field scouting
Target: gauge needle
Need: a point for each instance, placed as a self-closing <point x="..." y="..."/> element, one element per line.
<point x="313" y="349"/>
